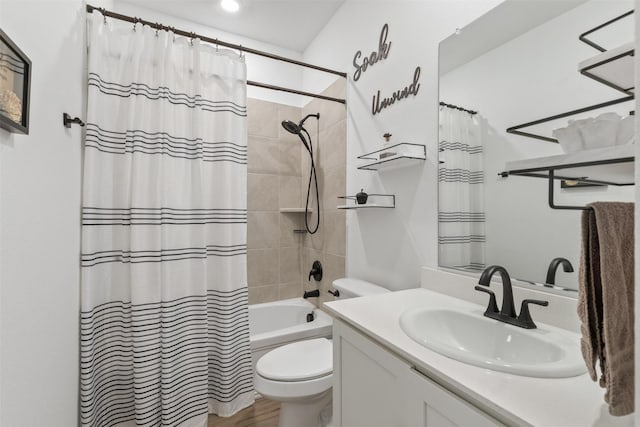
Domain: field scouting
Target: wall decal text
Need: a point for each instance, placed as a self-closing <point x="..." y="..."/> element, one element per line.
<point x="374" y="57"/>
<point x="380" y="104"/>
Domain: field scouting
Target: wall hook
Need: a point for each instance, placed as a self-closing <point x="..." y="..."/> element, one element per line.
<point x="67" y="120"/>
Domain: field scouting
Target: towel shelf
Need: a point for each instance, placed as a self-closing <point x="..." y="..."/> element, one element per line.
<point x="517" y="130"/>
<point x="603" y="166"/>
<point x="613" y="68"/>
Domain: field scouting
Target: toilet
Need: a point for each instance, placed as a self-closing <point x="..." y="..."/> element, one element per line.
<point x="300" y="375"/>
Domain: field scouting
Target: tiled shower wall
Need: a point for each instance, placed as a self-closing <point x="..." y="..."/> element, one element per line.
<point x="279" y="260"/>
<point x="328" y="245"/>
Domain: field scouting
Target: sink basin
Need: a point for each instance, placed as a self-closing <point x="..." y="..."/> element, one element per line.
<point x="471" y="338"/>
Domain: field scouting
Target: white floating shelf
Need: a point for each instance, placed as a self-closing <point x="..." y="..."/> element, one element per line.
<point x="613" y="68"/>
<point x="395" y="156"/>
<point x="383" y="201"/>
<point x="609" y="165"/>
<point x="364" y="206"/>
<point x="294" y="210"/>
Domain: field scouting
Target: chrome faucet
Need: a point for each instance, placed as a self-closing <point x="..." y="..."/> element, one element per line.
<point x="553" y="267"/>
<point x="507" y="313"/>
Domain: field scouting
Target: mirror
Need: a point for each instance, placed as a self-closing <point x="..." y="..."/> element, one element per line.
<point x="514" y="65"/>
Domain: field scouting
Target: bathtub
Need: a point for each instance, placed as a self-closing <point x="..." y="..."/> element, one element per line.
<point x="277" y="323"/>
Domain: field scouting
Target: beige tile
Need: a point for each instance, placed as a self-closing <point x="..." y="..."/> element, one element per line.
<point x="333" y="145"/>
<point x="263" y="230"/>
<point x="262" y="192"/>
<point x="315" y="241"/>
<point x="262" y="119"/>
<point x="338" y="89"/>
<point x="290" y="188"/>
<point x="262" y="294"/>
<point x="334" y="268"/>
<point x="263" y="155"/>
<point x="335" y="233"/>
<point x="290" y="265"/>
<point x="262" y="267"/>
<point x="287" y="112"/>
<point x="290" y="290"/>
<point x="331" y="113"/>
<point x="334" y="186"/>
<point x="290" y="153"/>
<point x="288" y="223"/>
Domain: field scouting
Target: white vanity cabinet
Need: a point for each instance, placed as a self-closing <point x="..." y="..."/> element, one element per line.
<point x="375" y="388"/>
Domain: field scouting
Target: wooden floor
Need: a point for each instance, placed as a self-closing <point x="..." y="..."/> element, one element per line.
<point x="264" y="413"/>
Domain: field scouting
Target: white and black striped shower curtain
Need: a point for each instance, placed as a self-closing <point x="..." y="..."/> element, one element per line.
<point x="164" y="315"/>
<point x="461" y="216"/>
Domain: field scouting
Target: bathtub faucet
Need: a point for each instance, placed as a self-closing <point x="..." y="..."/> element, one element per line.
<point x="309" y="294"/>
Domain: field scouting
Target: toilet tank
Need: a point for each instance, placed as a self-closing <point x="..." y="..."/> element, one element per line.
<point x="352" y="288"/>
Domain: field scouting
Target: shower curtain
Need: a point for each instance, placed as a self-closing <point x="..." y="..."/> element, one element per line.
<point x="164" y="314"/>
<point x="461" y="214"/>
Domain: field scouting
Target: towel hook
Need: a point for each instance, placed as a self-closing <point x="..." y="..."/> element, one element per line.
<point x="67" y="120"/>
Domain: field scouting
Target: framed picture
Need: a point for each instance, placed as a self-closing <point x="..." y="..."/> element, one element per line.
<point x="15" y="84"/>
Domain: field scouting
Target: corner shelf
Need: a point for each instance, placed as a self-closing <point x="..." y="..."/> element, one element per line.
<point x="398" y="155"/>
<point x="390" y="202"/>
<point x="605" y="166"/>
<point x="613" y="68"/>
<point x="294" y="210"/>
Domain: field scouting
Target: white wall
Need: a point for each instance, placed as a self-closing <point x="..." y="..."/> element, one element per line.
<point x="40" y="221"/>
<point x="40" y="176"/>
<point x="530" y="77"/>
<point x="389" y="246"/>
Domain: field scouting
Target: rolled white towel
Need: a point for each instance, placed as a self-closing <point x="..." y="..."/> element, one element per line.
<point x="626" y="130"/>
<point x="599" y="132"/>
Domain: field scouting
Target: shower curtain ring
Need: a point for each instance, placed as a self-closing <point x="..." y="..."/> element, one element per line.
<point x="241" y="51"/>
<point x="104" y="15"/>
<point x="158" y="26"/>
<point x="217" y="48"/>
<point x="135" y="22"/>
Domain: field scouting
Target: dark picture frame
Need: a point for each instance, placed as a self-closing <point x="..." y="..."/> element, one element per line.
<point x="15" y="86"/>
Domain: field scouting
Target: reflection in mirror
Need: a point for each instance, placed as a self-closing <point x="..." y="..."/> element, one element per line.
<point x="493" y="80"/>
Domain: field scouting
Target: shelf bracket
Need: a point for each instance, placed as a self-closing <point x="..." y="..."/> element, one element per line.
<point x="552" y="203"/>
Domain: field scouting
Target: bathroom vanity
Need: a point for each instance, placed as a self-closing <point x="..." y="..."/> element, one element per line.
<point x="384" y="378"/>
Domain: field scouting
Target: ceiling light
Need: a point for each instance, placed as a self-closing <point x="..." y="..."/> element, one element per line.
<point x="231" y="6"/>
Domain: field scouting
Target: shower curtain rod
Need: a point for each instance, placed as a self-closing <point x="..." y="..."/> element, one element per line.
<point x="455" y="107"/>
<point x="217" y="42"/>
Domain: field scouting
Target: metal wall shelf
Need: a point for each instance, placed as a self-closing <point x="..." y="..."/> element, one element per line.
<point x="517" y="130"/>
<point x="613" y="68"/>
<point x="387" y="201"/>
<point x="604" y="166"/>
<point x="395" y="156"/>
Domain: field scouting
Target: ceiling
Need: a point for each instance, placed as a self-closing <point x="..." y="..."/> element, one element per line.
<point x="292" y="24"/>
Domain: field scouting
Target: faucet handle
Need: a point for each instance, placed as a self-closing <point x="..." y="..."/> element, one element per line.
<point x="493" y="306"/>
<point x="525" y="316"/>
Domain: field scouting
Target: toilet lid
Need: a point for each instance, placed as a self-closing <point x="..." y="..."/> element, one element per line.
<point x="303" y="360"/>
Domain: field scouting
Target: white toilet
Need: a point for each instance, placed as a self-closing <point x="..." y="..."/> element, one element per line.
<point x="300" y="375"/>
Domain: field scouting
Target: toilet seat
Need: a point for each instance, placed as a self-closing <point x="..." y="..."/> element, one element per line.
<point x="299" y="361"/>
<point x="296" y="371"/>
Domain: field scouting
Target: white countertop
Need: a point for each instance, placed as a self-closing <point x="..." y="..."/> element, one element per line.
<point x="513" y="399"/>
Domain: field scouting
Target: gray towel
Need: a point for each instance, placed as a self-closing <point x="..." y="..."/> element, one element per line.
<point x="605" y="300"/>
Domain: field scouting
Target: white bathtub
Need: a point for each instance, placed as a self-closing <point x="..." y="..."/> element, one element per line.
<point x="273" y="324"/>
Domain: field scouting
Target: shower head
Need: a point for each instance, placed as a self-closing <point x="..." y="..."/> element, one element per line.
<point x="291" y="127"/>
